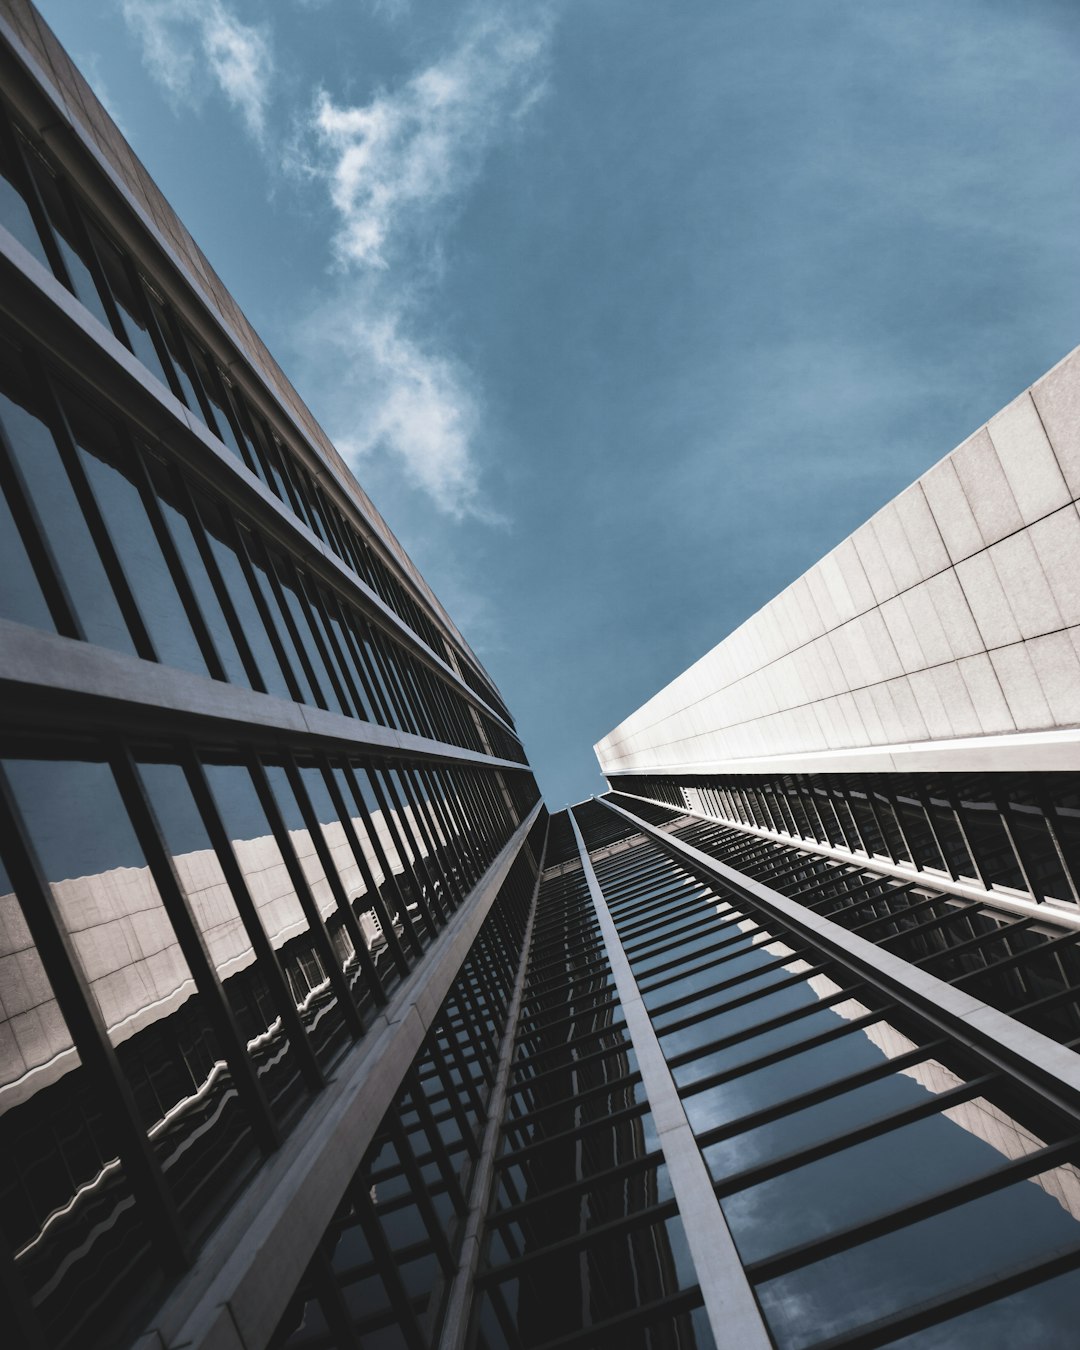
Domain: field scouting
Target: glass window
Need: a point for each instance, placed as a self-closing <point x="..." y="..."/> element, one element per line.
<point x="224" y="548"/>
<point x="280" y="911"/>
<point x="112" y="475"/>
<point x="129" y="301"/>
<point x="137" y="974"/>
<point x="214" y="909"/>
<point x="47" y="484"/>
<point x="185" y="534"/>
<point x="806" y="1071"/>
<point x="77" y="1238"/>
<point x="1044" y="1315"/>
<point x="965" y="1246"/>
<point x="71" y="239"/>
<point x="888" y="1172"/>
<point x="21" y="596"/>
<point x="180" y="362"/>
<point x="15" y="214"/>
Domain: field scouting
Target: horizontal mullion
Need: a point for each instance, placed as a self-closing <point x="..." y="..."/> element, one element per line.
<point x="801" y="1157"/>
<point x="627" y="1224"/>
<point x="84" y="349"/>
<point x="70" y="681"/>
<point x="807" y="1253"/>
<point x="626" y="1170"/>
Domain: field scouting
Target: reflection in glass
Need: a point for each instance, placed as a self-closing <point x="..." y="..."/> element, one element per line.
<point x="69" y="1215"/>
<point x="280" y="912"/>
<point x="112" y="476"/>
<point x="47" y="484"/>
<point x="214" y="909"/>
<point x="137" y="974"/>
<point x="971" y="1244"/>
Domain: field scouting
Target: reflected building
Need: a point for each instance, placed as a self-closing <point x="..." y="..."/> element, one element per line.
<point x="316" y="1031"/>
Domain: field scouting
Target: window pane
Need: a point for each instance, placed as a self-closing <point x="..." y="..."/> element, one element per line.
<point x="14" y="212"/>
<point x="141" y="982"/>
<point x="78" y="1243"/>
<point x="214" y="909"/>
<point x="183" y="530"/>
<point x="111" y="472"/>
<point x="21" y="597"/>
<point x="223" y="547"/>
<point x="279" y="909"/>
<point x="130" y="303"/>
<point x="69" y="238"/>
<point x="49" y="488"/>
<point x="970" y="1244"/>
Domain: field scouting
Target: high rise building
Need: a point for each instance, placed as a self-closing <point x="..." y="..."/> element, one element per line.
<point x="316" y="1031"/>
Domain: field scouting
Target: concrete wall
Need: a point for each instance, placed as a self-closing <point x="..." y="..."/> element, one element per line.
<point x="944" y="633"/>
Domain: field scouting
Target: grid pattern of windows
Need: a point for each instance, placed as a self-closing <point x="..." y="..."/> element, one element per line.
<point x="118" y="544"/>
<point x="382" y="1269"/>
<point x="1027" y="968"/>
<point x="344" y="659"/>
<point x="191" y="940"/>
<point x="1011" y="832"/>
<point x="583" y="1245"/>
<point x="884" y="1184"/>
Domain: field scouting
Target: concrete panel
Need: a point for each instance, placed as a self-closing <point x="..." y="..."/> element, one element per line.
<point x="986" y="487"/>
<point x="1057" y="399"/>
<point x="977" y="557"/>
<point x="952" y="511"/>
<point x="1028" y="460"/>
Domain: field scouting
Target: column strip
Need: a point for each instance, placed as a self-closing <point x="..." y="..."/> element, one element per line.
<point x="733" y="1313"/>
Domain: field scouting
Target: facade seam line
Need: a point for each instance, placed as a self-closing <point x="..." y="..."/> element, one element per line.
<point x="1032" y="909"/>
<point x="459" y="1301"/>
<point x="730" y="1305"/>
<point x="1044" y="1065"/>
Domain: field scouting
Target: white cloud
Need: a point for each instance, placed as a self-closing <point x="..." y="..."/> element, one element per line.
<point x="397" y="169"/>
<point x="394" y="395"/>
<point x="188" y="43"/>
<point x="403" y="159"/>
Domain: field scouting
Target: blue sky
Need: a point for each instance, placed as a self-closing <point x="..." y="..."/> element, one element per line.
<point x="624" y="313"/>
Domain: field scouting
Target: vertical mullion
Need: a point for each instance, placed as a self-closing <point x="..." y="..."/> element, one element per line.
<point x="36" y="542"/>
<point x="390" y="877"/>
<point x="18" y="149"/>
<point x="247" y="567"/>
<point x="110" y="560"/>
<point x="403" y="854"/>
<point x="217" y="581"/>
<point x="257" y="552"/>
<point x="264" y="950"/>
<point x="443" y="820"/>
<point x="174" y="563"/>
<point x="194" y="949"/>
<point x="316" y="927"/>
<point x="1070" y="863"/>
<point x="376" y="901"/>
<point x="349" y="919"/>
<point x="414" y="837"/>
<point x="91" y="1038"/>
<point x="1020" y="853"/>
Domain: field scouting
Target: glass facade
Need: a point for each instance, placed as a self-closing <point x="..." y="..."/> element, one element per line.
<point x="249" y="794"/>
<point x="884" y="1181"/>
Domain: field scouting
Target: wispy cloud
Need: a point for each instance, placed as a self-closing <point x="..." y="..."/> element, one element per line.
<point x="397" y="170"/>
<point x="189" y="45"/>
<point x="402" y="160"/>
<point x="396" y="396"/>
